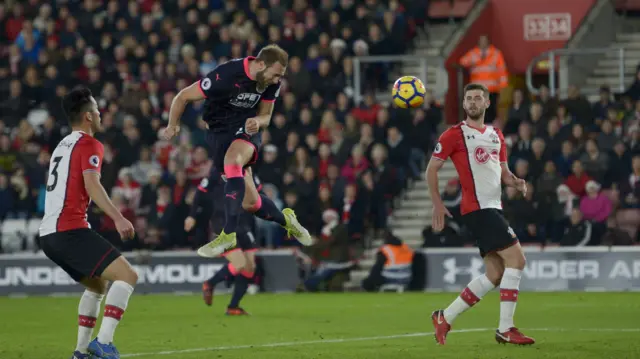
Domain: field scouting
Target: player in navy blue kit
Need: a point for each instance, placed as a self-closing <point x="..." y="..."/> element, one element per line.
<point x="239" y="98"/>
<point x="205" y="215"/>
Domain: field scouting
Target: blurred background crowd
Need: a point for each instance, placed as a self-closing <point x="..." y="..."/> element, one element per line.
<point x="336" y="162"/>
<point x="322" y="154"/>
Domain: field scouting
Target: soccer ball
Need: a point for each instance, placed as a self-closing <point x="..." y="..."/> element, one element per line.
<point x="408" y="91"/>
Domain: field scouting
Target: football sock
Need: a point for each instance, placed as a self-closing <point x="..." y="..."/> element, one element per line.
<point x="88" y="311"/>
<point x="267" y="210"/>
<point x="240" y="288"/>
<point x="475" y="290"/>
<point x="115" y="305"/>
<point x="508" y="297"/>
<point x="220" y="275"/>
<point x="233" y="195"/>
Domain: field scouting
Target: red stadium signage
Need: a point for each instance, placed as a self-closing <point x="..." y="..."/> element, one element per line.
<point x="547" y="27"/>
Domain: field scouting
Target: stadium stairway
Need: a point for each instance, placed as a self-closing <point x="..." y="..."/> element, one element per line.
<point x="607" y="69"/>
<point x="412" y="214"/>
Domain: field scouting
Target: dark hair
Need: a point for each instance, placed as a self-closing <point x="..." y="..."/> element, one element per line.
<point x="271" y="54"/>
<point x="76" y="103"/>
<point x="474" y="86"/>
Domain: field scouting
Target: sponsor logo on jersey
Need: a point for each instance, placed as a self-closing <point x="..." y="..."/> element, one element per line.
<point x="483" y="155"/>
<point x="94" y="161"/>
<point x="245" y="100"/>
<point x="206" y="83"/>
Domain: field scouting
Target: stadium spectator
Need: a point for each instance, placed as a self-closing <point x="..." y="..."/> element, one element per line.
<point x="487" y="66"/>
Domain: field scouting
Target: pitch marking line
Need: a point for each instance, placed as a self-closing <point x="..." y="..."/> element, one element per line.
<point x="362" y="339"/>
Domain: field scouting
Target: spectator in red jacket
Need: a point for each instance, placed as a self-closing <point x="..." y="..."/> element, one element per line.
<point x="578" y="179"/>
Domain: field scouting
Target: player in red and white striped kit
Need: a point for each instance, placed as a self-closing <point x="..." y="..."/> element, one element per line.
<point x="66" y="237"/>
<point x="479" y="154"/>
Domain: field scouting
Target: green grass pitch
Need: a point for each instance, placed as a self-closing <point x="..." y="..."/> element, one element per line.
<point x="565" y="325"/>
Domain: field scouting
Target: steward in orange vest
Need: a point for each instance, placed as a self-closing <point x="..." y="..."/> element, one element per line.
<point x="393" y="264"/>
<point x="486" y="66"/>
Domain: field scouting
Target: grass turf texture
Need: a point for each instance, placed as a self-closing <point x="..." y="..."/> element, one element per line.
<point x="577" y="325"/>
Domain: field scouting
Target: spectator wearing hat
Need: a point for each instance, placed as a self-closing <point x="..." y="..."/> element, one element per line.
<point x="596" y="207"/>
<point x="330" y="254"/>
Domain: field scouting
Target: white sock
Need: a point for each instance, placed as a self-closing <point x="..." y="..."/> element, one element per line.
<point x="88" y="311"/>
<point x="475" y="290"/>
<point x="114" y="308"/>
<point x="508" y="297"/>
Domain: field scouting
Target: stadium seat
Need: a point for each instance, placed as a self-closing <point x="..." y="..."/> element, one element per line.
<point x="628" y="220"/>
<point x="13" y="234"/>
<point x="33" y="225"/>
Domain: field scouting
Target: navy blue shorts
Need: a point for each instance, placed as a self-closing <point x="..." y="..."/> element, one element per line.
<point x="219" y="143"/>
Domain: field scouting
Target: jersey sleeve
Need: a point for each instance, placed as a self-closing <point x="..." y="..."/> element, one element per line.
<point x="91" y="154"/>
<point x="271" y="93"/>
<point x="214" y="83"/>
<point x="446" y="145"/>
<point x="503" y="147"/>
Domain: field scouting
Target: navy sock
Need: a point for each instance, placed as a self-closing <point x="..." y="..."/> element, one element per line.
<point x="239" y="290"/>
<point x="269" y="212"/>
<point x="233" y="195"/>
<point x="220" y="275"/>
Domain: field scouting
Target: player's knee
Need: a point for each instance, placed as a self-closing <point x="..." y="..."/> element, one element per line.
<point x="130" y="277"/>
<point x="517" y="261"/>
<point x="249" y="204"/>
<point x="233" y="158"/>
<point x="494" y="276"/>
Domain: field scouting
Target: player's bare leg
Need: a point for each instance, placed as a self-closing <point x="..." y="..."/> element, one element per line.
<point x="88" y="311"/>
<point x="237" y="156"/>
<point x="263" y="207"/>
<point x="123" y="278"/>
<point x="470" y="296"/>
<point x="514" y="262"/>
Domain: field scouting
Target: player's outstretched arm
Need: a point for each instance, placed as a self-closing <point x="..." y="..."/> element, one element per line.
<point x="100" y="197"/>
<point x="439" y="210"/>
<point x="190" y="93"/>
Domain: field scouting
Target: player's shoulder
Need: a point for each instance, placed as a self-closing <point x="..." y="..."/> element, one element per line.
<point x="453" y="131"/>
<point x="232" y="66"/>
<point x="89" y="141"/>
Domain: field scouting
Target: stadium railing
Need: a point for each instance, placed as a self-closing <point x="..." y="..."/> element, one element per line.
<point x="559" y="67"/>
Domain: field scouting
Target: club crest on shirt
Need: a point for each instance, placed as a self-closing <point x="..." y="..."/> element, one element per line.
<point x="494" y="138"/>
<point x="94" y="161"/>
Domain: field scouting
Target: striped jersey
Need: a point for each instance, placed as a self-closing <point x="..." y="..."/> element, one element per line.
<point x="477" y="155"/>
<point x="66" y="199"/>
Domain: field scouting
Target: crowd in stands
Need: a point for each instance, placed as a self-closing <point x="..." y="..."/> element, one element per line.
<point x="323" y="155"/>
<point x="581" y="161"/>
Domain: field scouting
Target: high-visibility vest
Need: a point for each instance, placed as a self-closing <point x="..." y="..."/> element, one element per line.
<point x="398" y="263"/>
<point x="489" y="70"/>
